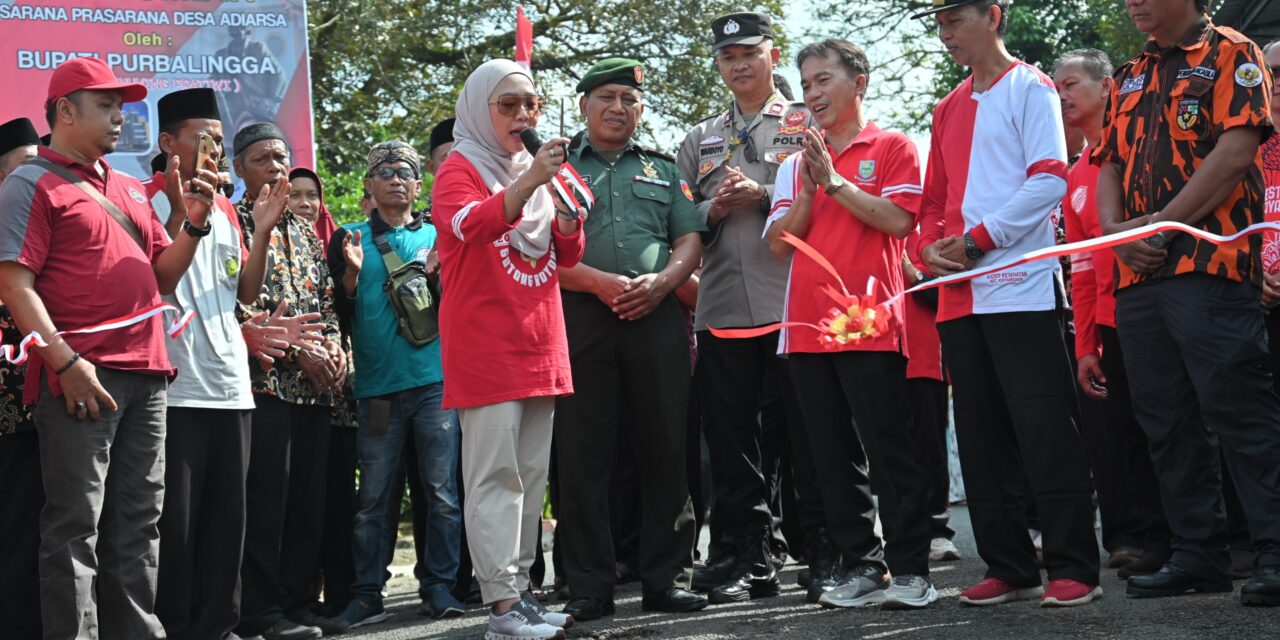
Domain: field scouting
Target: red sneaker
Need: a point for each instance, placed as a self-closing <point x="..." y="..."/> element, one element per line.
<point x="1069" y="593"/>
<point x="995" y="591"/>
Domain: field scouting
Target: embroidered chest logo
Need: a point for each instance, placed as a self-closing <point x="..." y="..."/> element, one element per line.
<point x="711" y="140"/>
<point x="1188" y="113"/>
<point x="866" y="170"/>
<point x="1079" y="197"/>
<point x="522" y="268"/>
<point x="795" y="118"/>
<point x="1133" y="84"/>
<point x="137" y="197"/>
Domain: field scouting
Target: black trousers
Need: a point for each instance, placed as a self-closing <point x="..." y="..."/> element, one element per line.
<point x="20" y="535"/>
<point x="1196" y="351"/>
<point x="632" y="373"/>
<point x="336" y="562"/>
<point x="746" y="427"/>
<point x="1128" y="492"/>
<point x="202" y="525"/>
<point x="855" y="410"/>
<point x="1014" y="394"/>
<point x="286" y="499"/>
<point x="928" y="401"/>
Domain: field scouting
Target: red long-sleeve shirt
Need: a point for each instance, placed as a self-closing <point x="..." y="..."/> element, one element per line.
<point x="502" y="331"/>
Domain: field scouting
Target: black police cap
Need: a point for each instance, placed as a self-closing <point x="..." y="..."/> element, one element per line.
<point x="744" y="28"/>
<point x="942" y="5"/>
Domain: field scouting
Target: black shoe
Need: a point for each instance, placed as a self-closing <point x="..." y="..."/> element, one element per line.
<point x="289" y="630"/>
<point x="715" y="573"/>
<point x="587" y="609"/>
<point x="748" y="583"/>
<point x="1148" y="563"/>
<point x="1263" y="590"/>
<point x="1173" y="580"/>
<point x="802" y="579"/>
<point x="307" y="619"/>
<point x="562" y="593"/>
<point x="673" y="600"/>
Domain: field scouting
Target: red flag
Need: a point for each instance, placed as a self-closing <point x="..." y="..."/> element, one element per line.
<point x="524" y="39"/>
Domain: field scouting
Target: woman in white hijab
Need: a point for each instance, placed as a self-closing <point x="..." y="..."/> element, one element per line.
<point x="502" y="333"/>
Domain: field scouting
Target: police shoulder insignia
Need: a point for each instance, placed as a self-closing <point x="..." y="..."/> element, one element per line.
<point x="705" y="168"/>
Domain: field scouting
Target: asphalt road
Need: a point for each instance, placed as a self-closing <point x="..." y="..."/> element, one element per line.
<point x="789" y="616"/>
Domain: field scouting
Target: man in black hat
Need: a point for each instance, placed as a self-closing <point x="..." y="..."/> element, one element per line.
<point x="292" y="398"/>
<point x="18" y="144"/>
<point x="440" y="145"/>
<point x="207" y="448"/>
<point x="19" y="450"/>
<point x="731" y="161"/>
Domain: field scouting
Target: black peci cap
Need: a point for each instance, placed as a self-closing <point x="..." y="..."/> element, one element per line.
<point x="188" y="104"/>
<point x="15" y="133"/>
<point x="440" y="134"/>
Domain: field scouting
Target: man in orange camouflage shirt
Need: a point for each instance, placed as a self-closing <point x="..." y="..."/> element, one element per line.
<point x="1181" y="140"/>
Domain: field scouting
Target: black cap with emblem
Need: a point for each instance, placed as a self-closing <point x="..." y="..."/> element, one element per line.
<point x="942" y="5"/>
<point x="741" y="28"/>
<point x="17" y="133"/>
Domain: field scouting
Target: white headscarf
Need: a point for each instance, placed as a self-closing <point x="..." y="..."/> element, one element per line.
<point x="477" y="141"/>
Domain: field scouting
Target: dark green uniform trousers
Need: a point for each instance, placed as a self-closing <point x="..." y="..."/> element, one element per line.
<point x="631" y="382"/>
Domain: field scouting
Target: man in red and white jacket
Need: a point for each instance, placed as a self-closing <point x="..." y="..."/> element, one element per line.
<point x="996" y="168"/>
<point x="1128" y="494"/>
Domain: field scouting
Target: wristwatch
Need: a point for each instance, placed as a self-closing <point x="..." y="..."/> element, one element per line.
<point x="834" y="184"/>
<point x="1158" y="241"/>
<point x="971" y="249"/>
<point x="196" y="232"/>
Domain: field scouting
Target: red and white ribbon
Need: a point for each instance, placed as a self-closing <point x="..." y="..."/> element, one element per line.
<point x="19" y="354"/>
<point x="1085" y="246"/>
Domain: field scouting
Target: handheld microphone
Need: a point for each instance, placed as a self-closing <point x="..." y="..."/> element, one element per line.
<point x="532" y="142"/>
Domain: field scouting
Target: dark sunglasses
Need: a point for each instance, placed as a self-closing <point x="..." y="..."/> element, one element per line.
<point x="744" y="138"/>
<point x="510" y="105"/>
<point x="386" y="173"/>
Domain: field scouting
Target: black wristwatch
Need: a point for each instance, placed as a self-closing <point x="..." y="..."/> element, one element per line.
<point x="971" y="249"/>
<point x="196" y="232"/>
<point x="1158" y="241"/>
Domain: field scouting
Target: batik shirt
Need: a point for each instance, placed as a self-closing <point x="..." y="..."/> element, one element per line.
<point x="297" y="274"/>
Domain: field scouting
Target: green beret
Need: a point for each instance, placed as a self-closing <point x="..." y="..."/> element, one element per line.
<point x="613" y="71"/>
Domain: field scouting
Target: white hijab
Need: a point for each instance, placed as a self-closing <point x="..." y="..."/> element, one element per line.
<point x="475" y="138"/>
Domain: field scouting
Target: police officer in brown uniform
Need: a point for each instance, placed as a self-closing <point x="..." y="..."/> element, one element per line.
<point x="731" y="159"/>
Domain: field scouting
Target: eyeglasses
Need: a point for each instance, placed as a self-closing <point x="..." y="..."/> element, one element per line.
<point x="510" y="105"/>
<point x="744" y="138"/>
<point x="386" y="173"/>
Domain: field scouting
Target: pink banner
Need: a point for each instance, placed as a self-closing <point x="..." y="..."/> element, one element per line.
<point x="253" y="53"/>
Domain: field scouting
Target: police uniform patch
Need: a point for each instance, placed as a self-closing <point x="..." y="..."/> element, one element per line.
<point x="705" y="168"/>
<point x="775" y="109"/>
<point x="795" y="118"/>
<point x="1248" y="75"/>
<point x="710" y="140"/>
<point x="688" y="193"/>
<point x="1133" y="84"/>
<point x="1188" y="113"/>
<point x="790" y="130"/>
<point x="787" y="141"/>
<point x="783" y="155"/>
<point x="711" y="151"/>
<point x="137" y="197"/>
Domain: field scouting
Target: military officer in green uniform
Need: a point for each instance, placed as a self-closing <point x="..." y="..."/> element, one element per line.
<point x="629" y="352"/>
<point x="732" y="161"/>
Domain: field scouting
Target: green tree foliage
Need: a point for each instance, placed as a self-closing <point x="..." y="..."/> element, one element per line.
<point x="901" y="49"/>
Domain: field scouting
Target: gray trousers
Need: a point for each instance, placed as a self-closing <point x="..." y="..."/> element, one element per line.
<point x="104" y="484"/>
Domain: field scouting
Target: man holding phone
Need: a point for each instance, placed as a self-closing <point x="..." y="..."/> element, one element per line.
<point x="207" y="453"/>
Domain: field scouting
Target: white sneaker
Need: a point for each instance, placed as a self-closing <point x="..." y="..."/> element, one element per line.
<point x="909" y="592"/>
<point x="859" y="588"/>
<point x="522" y="622"/>
<point x="553" y="618"/>
<point x="943" y="550"/>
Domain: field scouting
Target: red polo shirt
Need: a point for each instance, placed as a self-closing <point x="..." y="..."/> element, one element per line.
<point x="88" y="269"/>
<point x="883" y="164"/>
<point x="1093" y="274"/>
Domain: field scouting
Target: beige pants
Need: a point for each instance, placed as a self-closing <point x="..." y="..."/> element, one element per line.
<point x="506" y="449"/>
